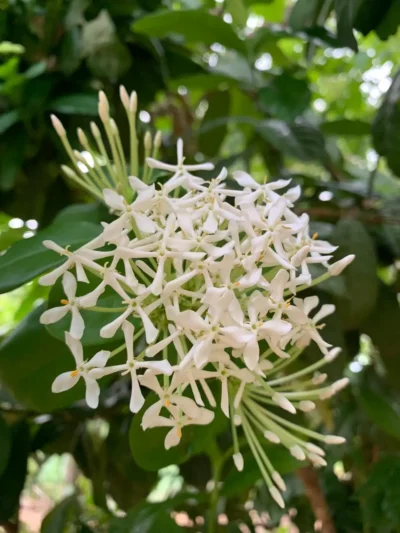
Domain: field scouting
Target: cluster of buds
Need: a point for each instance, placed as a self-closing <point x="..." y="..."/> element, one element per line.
<point x="209" y="277"/>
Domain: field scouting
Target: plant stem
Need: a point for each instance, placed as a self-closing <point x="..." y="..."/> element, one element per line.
<point x="217" y="462"/>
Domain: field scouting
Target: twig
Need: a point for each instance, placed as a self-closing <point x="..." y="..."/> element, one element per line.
<point x="317" y="499"/>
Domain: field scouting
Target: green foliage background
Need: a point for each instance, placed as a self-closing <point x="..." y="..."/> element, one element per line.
<point x="306" y="89"/>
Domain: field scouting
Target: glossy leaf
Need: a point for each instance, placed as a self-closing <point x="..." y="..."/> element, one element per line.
<point x="285" y="98"/>
<point x="299" y="140"/>
<point x="380" y="410"/>
<point x="192" y="25"/>
<point x="360" y="277"/>
<point x="28" y="258"/>
<point x="30" y="360"/>
<point x="13" y="477"/>
<point x="5" y="444"/>
<point x="218" y="107"/>
<point x="76" y="104"/>
<point x="346" y="12"/>
<point x="386" y="127"/>
<point x="346" y="127"/>
<point x="63" y="514"/>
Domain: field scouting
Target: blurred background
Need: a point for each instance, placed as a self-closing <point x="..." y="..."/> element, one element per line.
<point x="307" y="90"/>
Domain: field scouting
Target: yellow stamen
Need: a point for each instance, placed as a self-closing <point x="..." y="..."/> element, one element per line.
<point x="74" y="373"/>
<point x="315" y="236"/>
<point x="167" y="403"/>
<point x="179" y="431"/>
<point x="64" y="302"/>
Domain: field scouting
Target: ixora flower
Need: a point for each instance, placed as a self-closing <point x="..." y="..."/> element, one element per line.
<point x="210" y="272"/>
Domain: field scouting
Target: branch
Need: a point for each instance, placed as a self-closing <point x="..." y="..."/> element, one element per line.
<point x="317" y="499"/>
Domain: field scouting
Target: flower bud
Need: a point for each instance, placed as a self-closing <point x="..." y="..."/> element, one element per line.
<point x="334" y="439"/>
<point x="123" y="93"/>
<point x="278" y="480"/>
<point x="298" y="452"/>
<point x="306" y="406"/>
<point x="104" y="108"/>
<point x="277" y="496"/>
<point x="238" y="460"/>
<point x="95" y="130"/>
<point x="133" y="102"/>
<point x="82" y="137"/>
<point x="283" y="402"/>
<point x="272" y="437"/>
<point x="57" y="125"/>
<point x="337" y="268"/>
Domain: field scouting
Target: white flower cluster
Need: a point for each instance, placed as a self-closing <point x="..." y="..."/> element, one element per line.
<point x="209" y="276"/>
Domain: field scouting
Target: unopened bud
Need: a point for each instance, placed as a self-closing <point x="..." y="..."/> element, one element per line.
<point x="332" y="354"/>
<point x="306" y="406"/>
<point x="337" y="268"/>
<point x="317" y="460"/>
<point x="272" y="437"/>
<point x="68" y="171"/>
<point x="104" y="108"/>
<point x="297" y="452"/>
<point x="82" y="137"/>
<point x="95" y="129"/>
<point x="133" y="102"/>
<point x="283" y="402"/>
<point x="114" y="126"/>
<point x="238" y="460"/>
<point x="277" y="496"/>
<point x="157" y="140"/>
<point x="334" y="439"/>
<point x="318" y="379"/>
<point x="123" y="93"/>
<point x="279" y="481"/>
<point x="237" y="420"/>
<point x="147" y="142"/>
<point x="57" y="125"/>
<point x="313" y="448"/>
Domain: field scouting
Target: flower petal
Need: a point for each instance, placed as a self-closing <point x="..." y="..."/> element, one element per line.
<point x="64" y="382"/>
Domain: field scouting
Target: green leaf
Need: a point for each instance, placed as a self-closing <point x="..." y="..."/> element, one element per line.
<point x="272" y="11"/>
<point x="238" y="11"/>
<point x="30" y="360"/>
<point x="8" y="119"/>
<point x="386" y="126"/>
<point x="346" y="12"/>
<point x="300" y="140"/>
<point x="148" y="446"/>
<point x="5" y="444"/>
<point x="389" y="24"/>
<point x="147" y="518"/>
<point x="371" y="14"/>
<point x="76" y="104"/>
<point x="346" y="127"/>
<point x="12" y="159"/>
<point x="285" y="98"/>
<point x="304" y="13"/>
<point x="28" y="258"/>
<point x="382" y="326"/>
<point x="380" y="410"/>
<point x="192" y="25"/>
<point x="13" y="478"/>
<point x="360" y="277"/>
<point x="63" y="514"/>
<point x="218" y="106"/>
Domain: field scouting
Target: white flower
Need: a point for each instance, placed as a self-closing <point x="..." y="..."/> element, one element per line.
<point x="67" y="380"/>
<point x="71" y="305"/>
<point x="210" y="274"/>
<point x="162" y="367"/>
